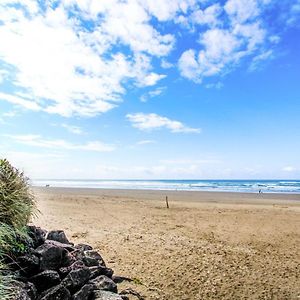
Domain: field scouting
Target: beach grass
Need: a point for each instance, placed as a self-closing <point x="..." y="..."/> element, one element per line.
<point x="17" y="206"/>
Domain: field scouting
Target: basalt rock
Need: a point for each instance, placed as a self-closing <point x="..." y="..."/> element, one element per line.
<point x="64" y="271"/>
<point x="37" y="235"/>
<point x="84" y="293"/>
<point x="45" y="280"/>
<point x="76" y="278"/>
<point x="51" y="256"/>
<point x="53" y="268"/>
<point x="28" y="263"/>
<point x="58" y="235"/>
<point x="99" y="270"/>
<point x="104" y="283"/>
<point x="83" y="247"/>
<point x="58" y="292"/>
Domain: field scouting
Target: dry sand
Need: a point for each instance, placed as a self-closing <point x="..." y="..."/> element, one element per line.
<point x="206" y="246"/>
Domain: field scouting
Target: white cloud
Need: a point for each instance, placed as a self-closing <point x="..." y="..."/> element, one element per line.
<point x="208" y="16"/>
<point x="154" y="93"/>
<point x="260" y="57"/>
<point x="222" y="50"/>
<point x="72" y="128"/>
<point x="65" y="69"/>
<point x="166" y="65"/>
<point x="166" y="10"/>
<point x="153" y="121"/>
<point x="16" y="100"/>
<point x="235" y="31"/>
<point x="289" y="169"/>
<point x="38" y="141"/>
<point x="242" y="10"/>
<point x="294" y="13"/>
<point x="151" y="79"/>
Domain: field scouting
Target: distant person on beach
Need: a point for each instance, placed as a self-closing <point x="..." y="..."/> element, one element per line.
<point x="259" y="191"/>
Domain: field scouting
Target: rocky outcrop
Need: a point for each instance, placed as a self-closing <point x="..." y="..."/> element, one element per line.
<point x="55" y="269"/>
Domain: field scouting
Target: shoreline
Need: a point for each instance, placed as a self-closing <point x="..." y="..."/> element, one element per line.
<point x="177" y="194"/>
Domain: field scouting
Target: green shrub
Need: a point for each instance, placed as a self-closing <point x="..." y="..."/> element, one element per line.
<point x="17" y="204"/>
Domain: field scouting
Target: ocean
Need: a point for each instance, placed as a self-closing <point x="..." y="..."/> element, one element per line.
<point x="249" y="186"/>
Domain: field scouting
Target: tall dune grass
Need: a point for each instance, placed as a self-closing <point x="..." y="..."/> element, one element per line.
<point x="17" y="203"/>
<point x="17" y="206"/>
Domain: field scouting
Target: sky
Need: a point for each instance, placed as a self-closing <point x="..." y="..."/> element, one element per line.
<point x="147" y="89"/>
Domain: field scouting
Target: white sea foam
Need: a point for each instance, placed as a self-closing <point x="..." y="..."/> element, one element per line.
<point x="252" y="186"/>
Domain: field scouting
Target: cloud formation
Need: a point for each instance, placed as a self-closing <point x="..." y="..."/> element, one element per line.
<point x="235" y="32"/>
<point x="153" y="121"/>
<point x="79" y="58"/>
<point x="63" y="67"/>
<point x="57" y="144"/>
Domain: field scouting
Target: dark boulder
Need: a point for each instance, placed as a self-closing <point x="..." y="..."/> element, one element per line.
<point x="28" y="263"/>
<point x="37" y="235"/>
<point x="58" y="235"/>
<point x="45" y="280"/>
<point x="68" y="260"/>
<point x="51" y="256"/>
<point x="58" y="292"/>
<point x="68" y="247"/>
<point x="93" y="258"/>
<point x="99" y="270"/>
<point x="84" y="293"/>
<point x="64" y="271"/>
<point x="76" y="279"/>
<point x="83" y="247"/>
<point x="104" y="283"/>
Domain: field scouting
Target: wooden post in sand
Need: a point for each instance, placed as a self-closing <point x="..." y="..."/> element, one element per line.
<point x="167" y="202"/>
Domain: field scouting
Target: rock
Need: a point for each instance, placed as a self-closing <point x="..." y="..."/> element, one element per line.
<point x="58" y="235"/>
<point x="28" y="263"/>
<point x="58" y="292"/>
<point x="65" y="270"/>
<point x="99" y="270"/>
<point x="51" y="256"/>
<point x="31" y="290"/>
<point x="90" y="262"/>
<point x="45" y="280"/>
<point x="104" y="283"/>
<point x="68" y="247"/>
<point x="92" y="258"/>
<point x="76" y="278"/>
<point x="83" y="247"/>
<point x="105" y="295"/>
<point x="84" y="293"/>
<point x="37" y="235"/>
<point x="68" y="260"/>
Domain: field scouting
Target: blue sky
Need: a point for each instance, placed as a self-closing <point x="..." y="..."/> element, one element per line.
<point x="151" y="89"/>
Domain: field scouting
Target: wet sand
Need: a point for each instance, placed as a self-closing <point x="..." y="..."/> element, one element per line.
<point x="207" y="245"/>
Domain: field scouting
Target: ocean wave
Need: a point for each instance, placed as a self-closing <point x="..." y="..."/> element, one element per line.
<point x="251" y="186"/>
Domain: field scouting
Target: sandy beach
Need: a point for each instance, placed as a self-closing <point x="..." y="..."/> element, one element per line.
<point x="205" y="246"/>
